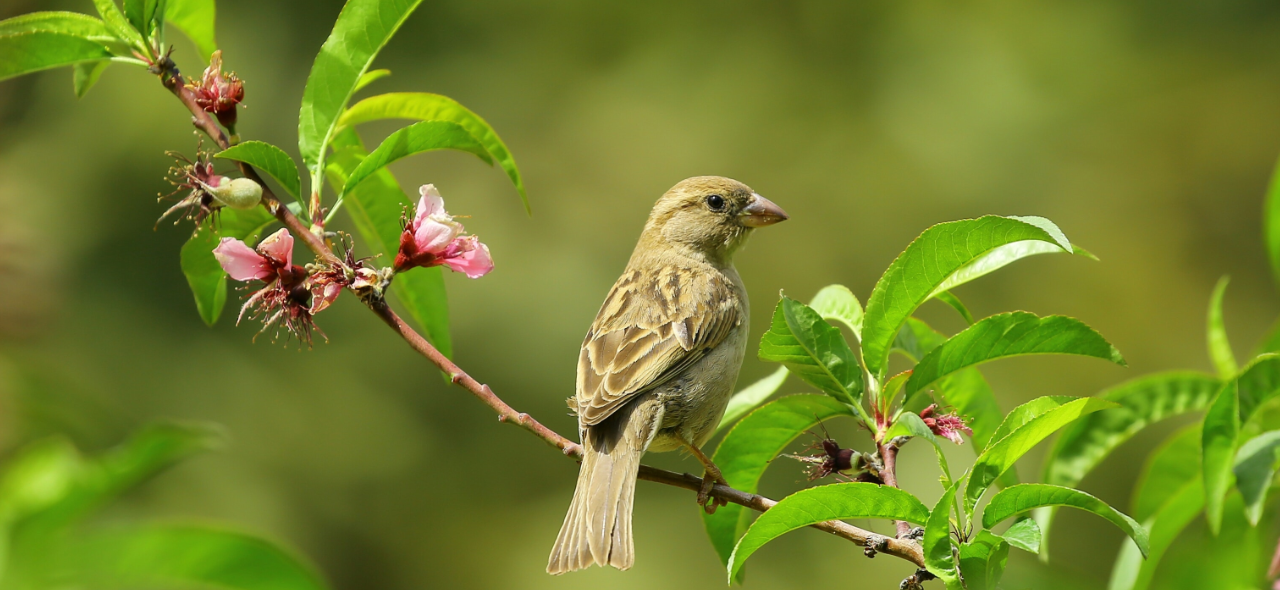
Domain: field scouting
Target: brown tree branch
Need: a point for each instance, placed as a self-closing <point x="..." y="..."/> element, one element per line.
<point x="173" y="81"/>
<point x="889" y="455"/>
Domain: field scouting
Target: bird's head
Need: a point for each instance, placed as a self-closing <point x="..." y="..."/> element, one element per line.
<point x="711" y="215"/>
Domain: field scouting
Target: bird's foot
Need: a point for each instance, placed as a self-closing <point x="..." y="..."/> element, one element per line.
<point x="708" y="503"/>
<point x="710" y="477"/>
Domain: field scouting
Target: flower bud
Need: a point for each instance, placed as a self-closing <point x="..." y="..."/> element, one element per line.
<point x="218" y="93"/>
<point x="237" y="193"/>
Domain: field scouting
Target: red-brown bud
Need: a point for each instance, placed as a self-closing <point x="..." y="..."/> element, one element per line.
<point x="218" y="93"/>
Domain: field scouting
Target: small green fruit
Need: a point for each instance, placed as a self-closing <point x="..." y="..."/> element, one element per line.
<point x="237" y="193"/>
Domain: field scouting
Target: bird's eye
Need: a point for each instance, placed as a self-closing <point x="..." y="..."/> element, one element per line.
<point x="715" y="202"/>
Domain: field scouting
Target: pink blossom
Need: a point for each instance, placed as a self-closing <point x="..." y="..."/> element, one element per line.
<point x="467" y="255"/>
<point x="945" y="425"/>
<point x="434" y="228"/>
<point x="433" y="238"/>
<point x="241" y="262"/>
<point x="285" y="300"/>
<point x="278" y="247"/>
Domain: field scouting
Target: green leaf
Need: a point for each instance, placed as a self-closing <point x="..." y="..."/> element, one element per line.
<point x="814" y="350"/>
<point x="1010" y="334"/>
<point x="119" y="25"/>
<point x="1024" y="534"/>
<point x="370" y="77"/>
<point x="965" y="390"/>
<point x="205" y="276"/>
<point x="982" y="561"/>
<point x="1255" y="468"/>
<point x="944" y="256"/>
<point x="196" y="19"/>
<point x="376" y="207"/>
<point x="1143" y="401"/>
<point x="414" y="139"/>
<point x="831" y="502"/>
<point x="1000" y="455"/>
<point x="1218" y="446"/>
<point x="1017" y="499"/>
<point x="837" y="302"/>
<point x="267" y="158"/>
<point x="749" y="448"/>
<point x="75" y="25"/>
<point x="39" y="475"/>
<point x="939" y="556"/>
<point x="422" y="106"/>
<point x="1008" y="253"/>
<point x="63" y="23"/>
<point x="1219" y="347"/>
<point x="187" y="556"/>
<point x="361" y="30"/>
<point x="1271" y="224"/>
<point x="751" y="396"/>
<point x="1238" y="401"/>
<point x="142" y="15"/>
<point x="1259" y="384"/>
<point x="1168" y="496"/>
<point x="948" y="298"/>
<point x="51" y="487"/>
<point x="1170" y="466"/>
<point x="1134" y="572"/>
<point x="894" y="385"/>
<point x="916" y="339"/>
<point x="31" y="52"/>
<point x="1021" y="415"/>
<point x="86" y="74"/>
<point x="910" y="424"/>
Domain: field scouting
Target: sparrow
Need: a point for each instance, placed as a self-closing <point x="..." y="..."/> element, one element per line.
<point x="660" y="361"/>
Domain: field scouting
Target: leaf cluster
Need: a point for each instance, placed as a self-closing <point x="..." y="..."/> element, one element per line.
<point x="809" y="341"/>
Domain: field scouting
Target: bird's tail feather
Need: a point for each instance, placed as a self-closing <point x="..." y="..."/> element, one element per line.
<point x="597" y="529"/>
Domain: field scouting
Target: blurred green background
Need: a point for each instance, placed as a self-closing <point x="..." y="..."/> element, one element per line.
<point x="1146" y="130"/>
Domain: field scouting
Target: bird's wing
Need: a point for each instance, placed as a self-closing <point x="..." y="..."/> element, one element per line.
<point x="652" y="325"/>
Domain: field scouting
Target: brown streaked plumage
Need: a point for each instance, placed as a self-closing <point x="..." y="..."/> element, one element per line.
<point x="660" y="361"/>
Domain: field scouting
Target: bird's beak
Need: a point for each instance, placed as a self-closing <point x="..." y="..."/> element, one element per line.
<point x="761" y="212"/>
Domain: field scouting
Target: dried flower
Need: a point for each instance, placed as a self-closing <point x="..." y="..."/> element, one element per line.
<point x="433" y="238"/>
<point x="285" y="299"/>
<point x="832" y="459"/>
<point x="945" y="425"/>
<point x="218" y="93"/>
<point x="326" y="281"/>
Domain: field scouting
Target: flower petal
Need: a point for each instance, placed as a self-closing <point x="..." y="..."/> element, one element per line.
<point x="434" y="236"/>
<point x="324" y="297"/>
<point x="430" y="204"/>
<point x="278" y="247"/>
<point x="474" y="261"/>
<point x="241" y="262"/>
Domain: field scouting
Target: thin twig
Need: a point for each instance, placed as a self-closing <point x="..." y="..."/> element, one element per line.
<point x="173" y="81"/>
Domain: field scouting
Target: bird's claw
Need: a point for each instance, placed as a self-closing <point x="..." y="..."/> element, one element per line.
<point x="708" y="503"/>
